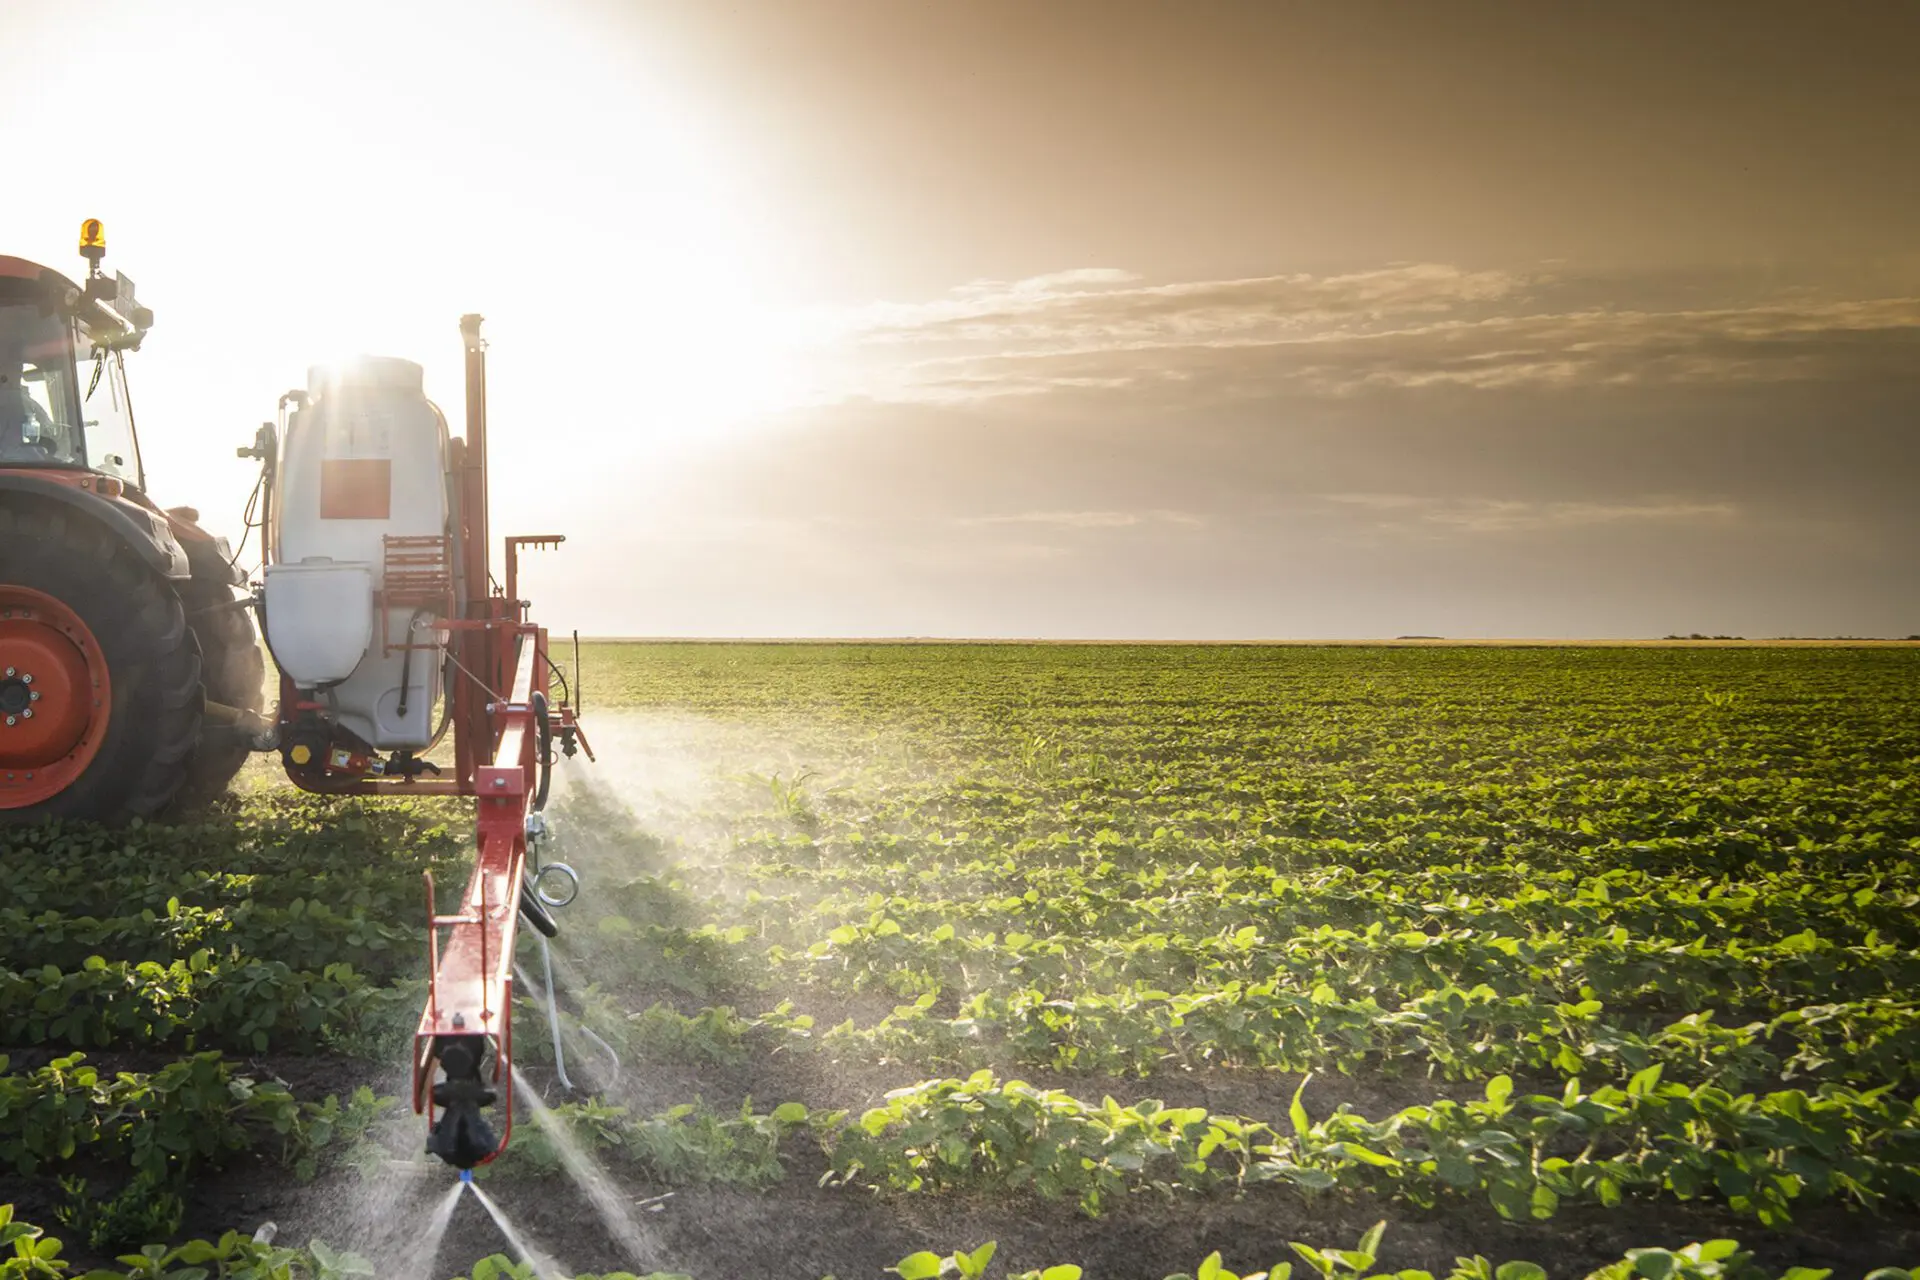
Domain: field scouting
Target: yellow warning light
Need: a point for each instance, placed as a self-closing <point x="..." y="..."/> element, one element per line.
<point x="93" y="241"/>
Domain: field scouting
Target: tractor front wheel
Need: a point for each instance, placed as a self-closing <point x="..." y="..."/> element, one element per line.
<point x="100" y="695"/>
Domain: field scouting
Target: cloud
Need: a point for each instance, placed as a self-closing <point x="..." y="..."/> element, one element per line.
<point x="1397" y="329"/>
<point x="1088" y="519"/>
<point x="1065" y="311"/>
<point x="1415" y="513"/>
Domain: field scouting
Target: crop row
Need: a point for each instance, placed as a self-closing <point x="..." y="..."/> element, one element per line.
<point x="347" y="853"/>
<point x="1090" y="894"/>
<point x="1702" y="1260"/>
<point x="192" y="1112"/>
<point x="899" y="851"/>
<point x="73" y="891"/>
<point x="243" y="1004"/>
<point x="1021" y="892"/>
<point x="1760" y="1154"/>
<point x="1653" y="973"/>
<point x="1460" y="1034"/>
<point x="304" y="934"/>
<point x="1652" y="976"/>
<point x="284" y="829"/>
<point x="1468" y="1034"/>
<point x="36" y="1256"/>
<point x="202" y="1002"/>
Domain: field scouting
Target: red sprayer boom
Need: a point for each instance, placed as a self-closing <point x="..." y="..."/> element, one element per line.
<point x="379" y="606"/>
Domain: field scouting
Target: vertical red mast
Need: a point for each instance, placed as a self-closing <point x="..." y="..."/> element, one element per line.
<point x="473" y="647"/>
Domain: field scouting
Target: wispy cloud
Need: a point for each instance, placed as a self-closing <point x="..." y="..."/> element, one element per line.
<point x="1095" y="308"/>
<point x="1087" y="519"/>
<point x="1405" y="511"/>
<point x="1403" y="328"/>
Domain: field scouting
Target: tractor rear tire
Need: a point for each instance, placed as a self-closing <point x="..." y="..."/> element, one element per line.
<point x="234" y="674"/>
<point x="129" y="625"/>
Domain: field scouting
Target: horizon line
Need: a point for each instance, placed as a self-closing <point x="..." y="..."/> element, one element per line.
<point x="1409" y="642"/>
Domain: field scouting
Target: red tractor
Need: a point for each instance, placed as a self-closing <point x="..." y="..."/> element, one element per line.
<point x="128" y="666"/>
<point x="130" y="673"/>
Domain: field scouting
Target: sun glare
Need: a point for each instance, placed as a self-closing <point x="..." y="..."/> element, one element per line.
<point x="560" y="184"/>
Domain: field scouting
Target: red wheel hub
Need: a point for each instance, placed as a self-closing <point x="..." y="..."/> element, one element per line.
<point x="55" y="698"/>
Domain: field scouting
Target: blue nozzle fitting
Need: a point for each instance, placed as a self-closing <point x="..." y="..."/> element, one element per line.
<point x="466" y="1175"/>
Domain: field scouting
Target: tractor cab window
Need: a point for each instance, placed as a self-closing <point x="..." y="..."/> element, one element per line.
<point x="39" y="401"/>
<point x="106" y="413"/>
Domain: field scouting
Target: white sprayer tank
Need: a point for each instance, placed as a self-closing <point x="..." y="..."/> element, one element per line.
<point x="366" y="458"/>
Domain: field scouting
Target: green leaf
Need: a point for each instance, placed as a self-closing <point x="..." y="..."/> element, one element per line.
<point x="1296" y="1112"/>
<point x="1520" y="1271"/>
<point x="923" y="1265"/>
<point x="1065" y="1271"/>
<point x="1511" y="1199"/>
<point x="1654" y="1264"/>
<point x="1456" y="1171"/>
<point x="1499" y="1089"/>
<point x="1364" y="1155"/>
<point x="974" y="1265"/>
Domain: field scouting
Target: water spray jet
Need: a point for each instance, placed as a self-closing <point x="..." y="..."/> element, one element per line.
<point x="588" y="1175"/>
<point x="543" y="1267"/>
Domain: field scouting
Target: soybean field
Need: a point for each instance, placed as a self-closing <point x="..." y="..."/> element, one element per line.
<point x="1007" y="960"/>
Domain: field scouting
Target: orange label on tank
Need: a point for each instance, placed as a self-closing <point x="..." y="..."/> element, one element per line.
<point x="356" y="489"/>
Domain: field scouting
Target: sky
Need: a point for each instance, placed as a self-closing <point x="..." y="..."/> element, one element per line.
<point x="1069" y="320"/>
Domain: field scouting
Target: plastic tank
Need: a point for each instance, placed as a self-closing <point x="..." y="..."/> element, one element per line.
<point x="365" y="459"/>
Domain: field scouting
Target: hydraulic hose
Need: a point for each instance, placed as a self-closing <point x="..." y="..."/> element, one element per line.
<point x="406" y="660"/>
<point x="544" y="751"/>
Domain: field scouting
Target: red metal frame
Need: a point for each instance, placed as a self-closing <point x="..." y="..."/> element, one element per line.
<point x="470" y="984"/>
<point x="499" y="683"/>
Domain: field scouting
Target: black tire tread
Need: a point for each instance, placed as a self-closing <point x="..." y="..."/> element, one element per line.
<point x="153" y="659"/>
<point x="234" y="673"/>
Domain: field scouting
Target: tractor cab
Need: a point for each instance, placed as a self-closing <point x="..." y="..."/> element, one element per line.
<point x="130" y="675"/>
<point x="63" y="391"/>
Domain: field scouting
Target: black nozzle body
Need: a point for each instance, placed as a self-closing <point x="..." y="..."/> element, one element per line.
<point x="461" y="1135"/>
